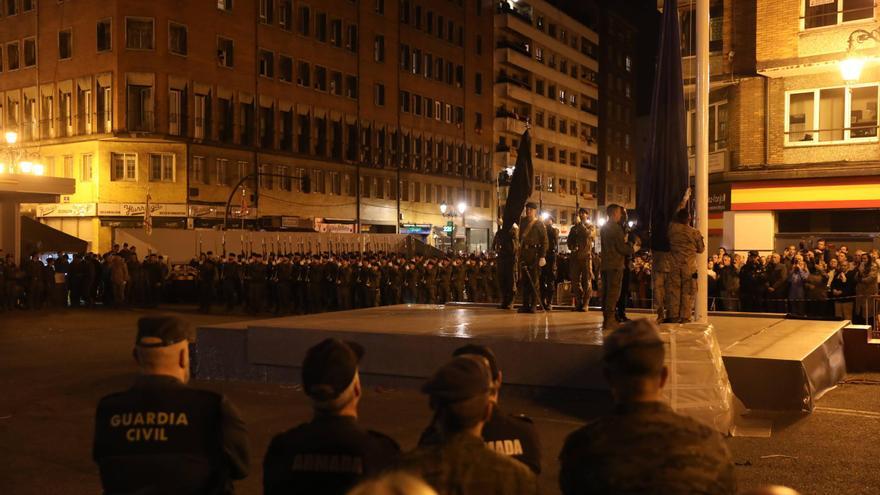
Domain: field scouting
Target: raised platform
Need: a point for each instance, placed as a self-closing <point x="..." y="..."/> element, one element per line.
<point x="772" y="363"/>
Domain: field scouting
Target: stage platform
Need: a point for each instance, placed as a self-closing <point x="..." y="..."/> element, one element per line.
<point x="773" y="363"/>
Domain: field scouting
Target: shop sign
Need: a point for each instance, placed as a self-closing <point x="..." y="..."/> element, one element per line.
<point x="416" y="228"/>
<point x="48" y="210"/>
<point x="138" y="209"/>
<point x="719" y="198"/>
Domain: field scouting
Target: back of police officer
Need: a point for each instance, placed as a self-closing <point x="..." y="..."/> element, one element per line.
<point x="332" y="452"/>
<point x="161" y="436"/>
<point x="507" y="434"/>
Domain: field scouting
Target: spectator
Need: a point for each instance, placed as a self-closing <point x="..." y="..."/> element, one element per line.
<point x="643" y="447"/>
<point x="728" y="279"/>
<point x="777" y="278"/>
<point x="515" y="436"/>
<point x="713" y="285"/>
<point x="796" y="289"/>
<point x="332" y="452"/>
<point x="815" y="287"/>
<point x="866" y="286"/>
<point x="843" y="290"/>
<point x="460" y="395"/>
<point x="119" y="278"/>
<point x="161" y="436"/>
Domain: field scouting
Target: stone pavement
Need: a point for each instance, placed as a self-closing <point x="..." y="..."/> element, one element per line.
<point x="56" y="365"/>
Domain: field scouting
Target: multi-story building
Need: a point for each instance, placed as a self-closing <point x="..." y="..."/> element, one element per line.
<point x="617" y="109"/>
<point x="793" y="145"/>
<point x="379" y="103"/>
<point x="547" y="77"/>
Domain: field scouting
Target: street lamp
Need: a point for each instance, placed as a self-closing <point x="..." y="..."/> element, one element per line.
<point x="462" y="207"/>
<point x="17" y="158"/>
<point x="851" y="67"/>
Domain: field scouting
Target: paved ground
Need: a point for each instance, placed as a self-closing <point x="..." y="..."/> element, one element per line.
<point x="54" y="367"/>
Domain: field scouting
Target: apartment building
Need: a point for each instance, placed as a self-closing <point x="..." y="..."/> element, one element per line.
<point x="546" y="78"/>
<point x="617" y="110"/>
<point x="798" y="140"/>
<point x="379" y="103"/>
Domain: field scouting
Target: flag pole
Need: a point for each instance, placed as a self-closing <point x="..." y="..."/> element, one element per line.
<point x="702" y="153"/>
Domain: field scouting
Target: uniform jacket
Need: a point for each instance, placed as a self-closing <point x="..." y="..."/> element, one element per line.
<point x="685" y="242"/>
<point x="614" y="247"/>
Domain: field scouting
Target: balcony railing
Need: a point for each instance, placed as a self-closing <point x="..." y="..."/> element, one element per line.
<point x="60" y="127"/>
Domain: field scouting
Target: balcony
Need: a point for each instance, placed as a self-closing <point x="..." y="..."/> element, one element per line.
<point x="509" y="124"/>
<point x="140" y="122"/>
<point x="510" y="56"/>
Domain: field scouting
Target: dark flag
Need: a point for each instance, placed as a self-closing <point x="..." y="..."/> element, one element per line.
<point x="521" y="183"/>
<point x="663" y="171"/>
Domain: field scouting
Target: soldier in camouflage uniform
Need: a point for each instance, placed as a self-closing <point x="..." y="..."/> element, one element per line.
<point x="548" y="271"/>
<point x="615" y="249"/>
<point x="533" y="247"/>
<point x="444" y="278"/>
<point x="580" y="242"/>
<point x="685" y="243"/>
<point x="643" y="446"/>
<point x="460" y="462"/>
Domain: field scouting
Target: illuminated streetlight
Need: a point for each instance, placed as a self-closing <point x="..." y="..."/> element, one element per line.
<point x="851" y="69"/>
<point x="39" y="169"/>
<point x="631" y="223"/>
<point x="26" y="167"/>
<point x="2" y="168"/>
<point x="462" y="207"/>
<point x="443" y="207"/>
<point x="11" y="137"/>
<point x="601" y="221"/>
<point x="545" y="215"/>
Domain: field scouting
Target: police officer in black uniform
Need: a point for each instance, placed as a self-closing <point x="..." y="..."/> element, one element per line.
<point x="161" y="436"/>
<point x="508" y="434"/>
<point x="332" y="452"/>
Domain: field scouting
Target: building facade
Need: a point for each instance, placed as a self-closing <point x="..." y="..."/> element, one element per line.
<point x="546" y="78"/>
<point x="794" y="151"/>
<point x="379" y="103"/>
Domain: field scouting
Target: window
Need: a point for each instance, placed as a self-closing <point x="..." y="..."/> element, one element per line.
<point x="321" y="27"/>
<point x="418" y="105"/>
<point x="336" y="83"/>
<point x="831" y="12"/>
<point x="478" y="83"/>
<point x="65" y="44"/>
<point x="175" y="102"/>
<point x="285" y="68"/>
<point x="267" y="180"/>
<point x="379" y="48"/>
<point x="303" y="74"/>
<point x="30" y="52"/>
<point x="404" y="101"/>
<point x="68" y="166"/>
<point x="161" y="167"/>
<point x="103" y="33"/>
<point x="305" y="20"/>
<point x="285" y="15"/>
<point x="417" y="17"/>
<point x="11" y="7"/>
<point x="177" y="39"/>
<point x="351" y="38"/>
<point x="221" y="171"/>
<point x="200" y="125"/>
<point x="86" y="172"/>
<point x="351" y="86"/>
<point x="225" y="52"/>
<point x="139" y="108"/>
<point x="267" y="63"/>
<point x="820" y="115"/>
<point x="716" y="20"/>
<point x="336" y="33"/>
<point x="320" y="78"/>
<point x="138" y="33"/>
<point x="267" y="8"/>
<point x="198" y="172"/>
<point x="284" y="180"/>
<point x="380" y="7"/>
<point x="224" y="5"/>
<point x="379" y="95"/>
<point x="123" y="166"/>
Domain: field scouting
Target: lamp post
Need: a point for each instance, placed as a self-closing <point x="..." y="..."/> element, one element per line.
<point x="447" y="212"/>
<point x="851" y="67"/>
<point x="15" y="158"/>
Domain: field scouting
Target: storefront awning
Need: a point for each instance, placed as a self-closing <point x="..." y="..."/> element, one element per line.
<point x="809" y="194"/>
<point x="38" y="237"/>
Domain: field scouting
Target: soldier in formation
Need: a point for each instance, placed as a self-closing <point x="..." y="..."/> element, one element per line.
<point x="581" y="239"/>
<point x="533" y="249"/>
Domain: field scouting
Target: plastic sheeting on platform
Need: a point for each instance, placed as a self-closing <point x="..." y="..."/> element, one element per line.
<point x="698" y="385"/>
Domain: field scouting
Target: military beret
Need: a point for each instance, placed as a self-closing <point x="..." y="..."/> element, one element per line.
<point x="162" y="331"/>
<point x="459" y="379"/>
<point x="641" y="333"/>
<point x="583" y="210"/>
<point x="532" y="205"/>
<point x="329" y="367"/>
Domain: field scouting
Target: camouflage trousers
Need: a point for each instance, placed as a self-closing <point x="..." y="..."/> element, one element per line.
<point x="612" y="280"/>
<point x="681" y="289"/>
<point x="581" y="275"/>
